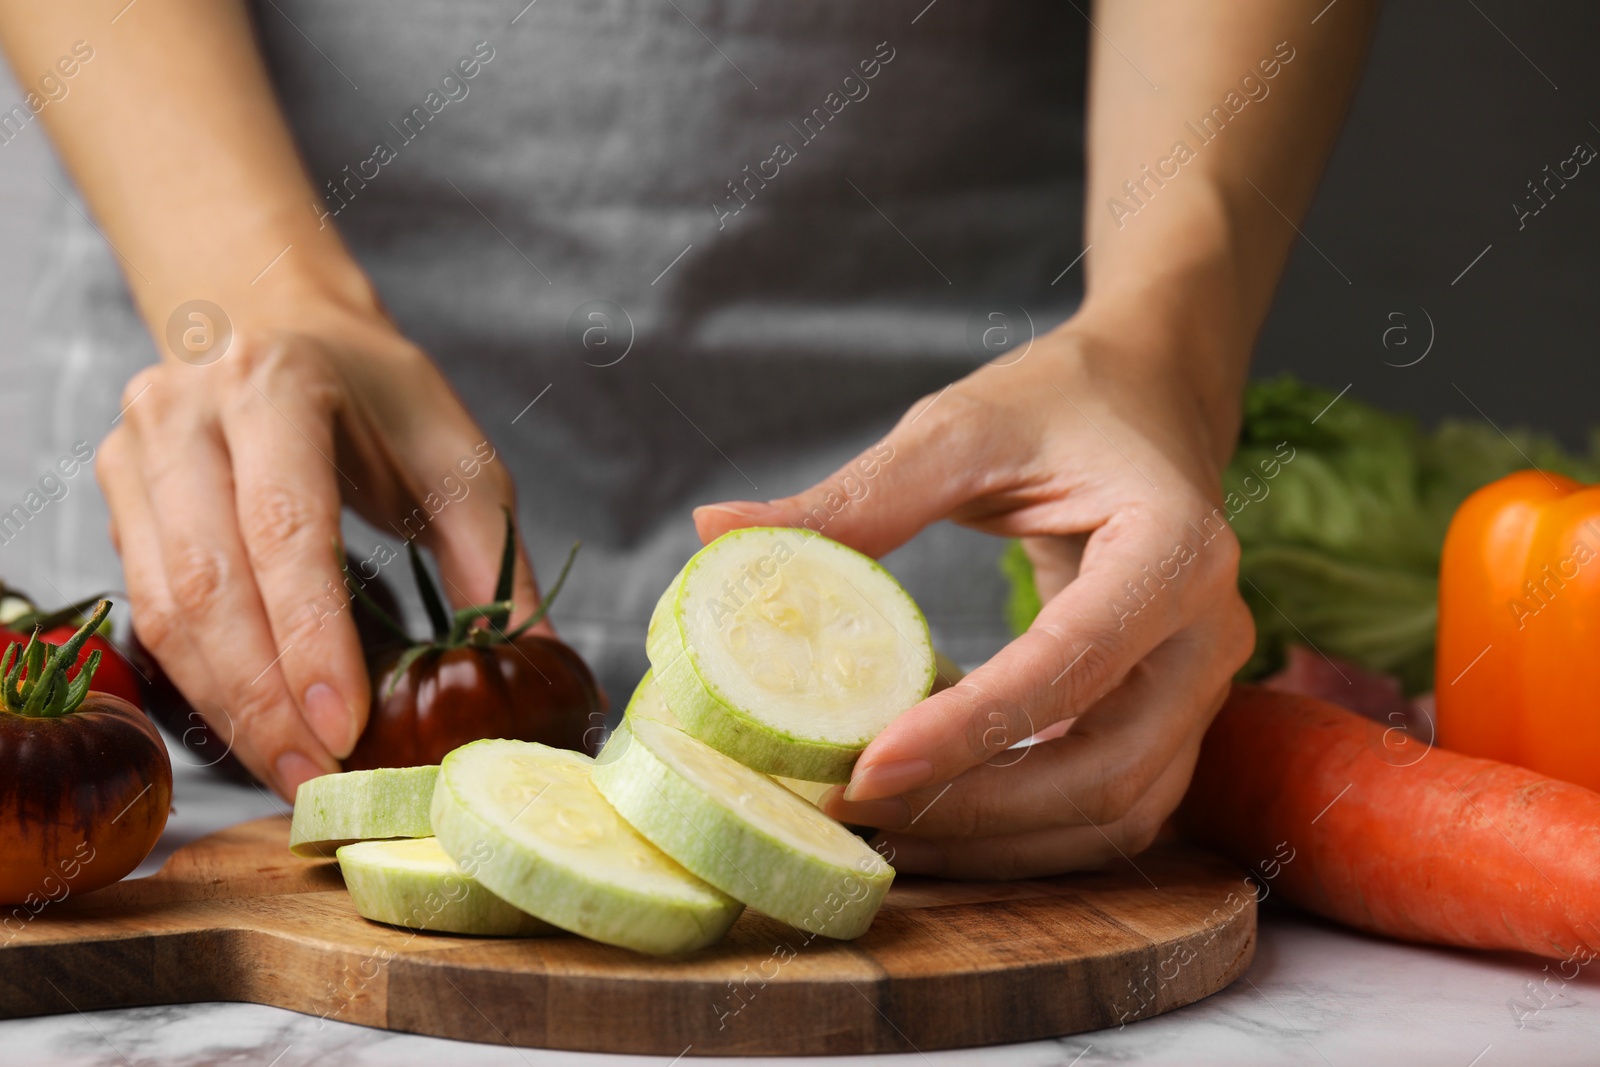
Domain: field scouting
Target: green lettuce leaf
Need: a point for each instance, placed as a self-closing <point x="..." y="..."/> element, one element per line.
<point x="1022" y="604"/>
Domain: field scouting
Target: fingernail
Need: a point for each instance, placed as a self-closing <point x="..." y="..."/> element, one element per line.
<point x="330" y="719"/>
<point x="913" y="855"/>
<point x="293" y="769"/>
<point x="888" y="779"/>
<point x="892" y="813"/>
<point x="742" y="510"/>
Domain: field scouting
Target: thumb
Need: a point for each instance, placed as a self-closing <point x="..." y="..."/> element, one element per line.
<point x="875" y="503"/>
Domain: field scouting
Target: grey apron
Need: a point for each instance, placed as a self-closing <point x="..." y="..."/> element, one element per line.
<point x="718" y="246"/>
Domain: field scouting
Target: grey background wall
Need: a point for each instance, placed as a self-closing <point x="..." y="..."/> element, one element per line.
<point x="1463" y="104"/>
<point x="1456" y="114"/>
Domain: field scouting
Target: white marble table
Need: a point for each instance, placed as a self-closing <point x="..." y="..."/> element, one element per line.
<point x="1315" y="995"/>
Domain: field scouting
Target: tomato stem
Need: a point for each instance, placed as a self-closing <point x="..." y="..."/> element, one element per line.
<point x="49" y="620"/>
<point x="430" y="594"/>
<point x="35" y="683"/>
<point x="459" y="629"/>
<point x="462" y="631"/>
<point x="508" y="561"/>
<point x="548" y="600"/>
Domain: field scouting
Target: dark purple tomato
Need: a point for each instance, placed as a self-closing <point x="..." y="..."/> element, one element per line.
<point x="534" y="688"/>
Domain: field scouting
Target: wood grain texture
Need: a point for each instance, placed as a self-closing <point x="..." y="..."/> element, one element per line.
<point x="234" y="916"/>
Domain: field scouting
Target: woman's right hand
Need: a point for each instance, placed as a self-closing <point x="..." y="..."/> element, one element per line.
<point x="225" y="484"/>
<point x="225" y="481"/>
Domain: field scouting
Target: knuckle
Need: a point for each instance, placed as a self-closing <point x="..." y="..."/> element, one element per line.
<point x="993" y="726"/>
<point x="927" y="408"/>
<point x="254" y="349"/>
<point x="271" y="360"/>
<point x="278" y="521"/>
<point x="115" y="442"/>
<point x="143" y="381"/>
<point x="1222" y="556"/>
<point x="1139" y="833"/>
<point x="197" y="579"/>
<point x="252" y="703"/>
<point x="966" y="818"/>
<point x="313" y="620"/>
<point x="956" y="420"/>
<point x="147" y="398"/>
<point x="157" y="623"/>
<point x="111" y="458"/>
<point x="1114" y="797"/>
<point x="1100" y="855"/>
<point x="1086" y="670"/>
<point x="1232" y="551"/>
<point x="1170" y="611"/>
<point x="1241" y="630"/>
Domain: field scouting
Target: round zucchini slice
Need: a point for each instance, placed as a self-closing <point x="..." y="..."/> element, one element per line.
<point x="543" y="838"/>
<point x="414" y="883"/>
<point x="788" y="651"/>
<point x="339" y="809"/>
<point x="741" y="831"/>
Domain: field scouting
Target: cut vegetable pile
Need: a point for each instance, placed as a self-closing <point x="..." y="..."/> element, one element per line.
<point x="774" y="651"/>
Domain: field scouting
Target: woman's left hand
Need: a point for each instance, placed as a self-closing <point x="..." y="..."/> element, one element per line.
<point x="1109" y="472"/>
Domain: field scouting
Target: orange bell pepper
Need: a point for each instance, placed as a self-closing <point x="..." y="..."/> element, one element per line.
<point x="1517" y="674"/>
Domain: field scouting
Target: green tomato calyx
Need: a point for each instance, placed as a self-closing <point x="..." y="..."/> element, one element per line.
<point x="461" y="629"/>
<point x="35" y="683"/>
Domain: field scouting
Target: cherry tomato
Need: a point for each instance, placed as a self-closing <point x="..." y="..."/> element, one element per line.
<point x="535" y="688"/>
<point x="477" y="679"/>
<point x="115" y="675"/>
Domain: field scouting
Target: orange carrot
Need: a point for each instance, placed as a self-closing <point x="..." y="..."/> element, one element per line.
<point x="1395" y="838"/>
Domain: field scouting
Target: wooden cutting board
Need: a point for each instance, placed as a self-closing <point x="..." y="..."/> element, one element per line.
<point x="947" y="964"/>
